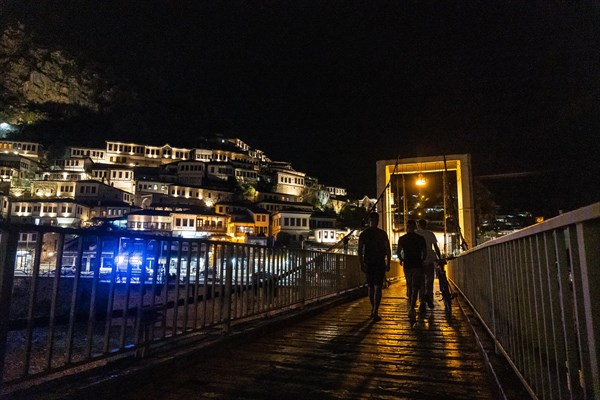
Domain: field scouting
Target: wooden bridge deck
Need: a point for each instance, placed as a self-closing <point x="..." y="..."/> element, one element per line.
<point x="339" y="354"/>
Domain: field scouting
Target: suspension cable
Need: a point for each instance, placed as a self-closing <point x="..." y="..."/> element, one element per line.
<point x="346" y="237"/>
<point x="463" y="243"/>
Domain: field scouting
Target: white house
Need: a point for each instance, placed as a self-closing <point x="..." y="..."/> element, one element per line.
<point x="294" y="222"/>
<point x="57" y="212"/>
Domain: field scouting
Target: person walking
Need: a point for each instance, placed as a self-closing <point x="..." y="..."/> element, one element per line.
<point x="429" y="263"/>
<point x="374" y="255"/>
<point x="411" y="253"/>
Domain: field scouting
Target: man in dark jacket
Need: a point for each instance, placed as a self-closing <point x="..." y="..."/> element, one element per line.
<point x="412" y="251"/>
<point x="374" y="255"/>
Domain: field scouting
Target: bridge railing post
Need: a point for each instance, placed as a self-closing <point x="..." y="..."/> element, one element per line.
<point x="303" y="280"/>
<point x="8" y="256"/>
<point x="226" y="312"/>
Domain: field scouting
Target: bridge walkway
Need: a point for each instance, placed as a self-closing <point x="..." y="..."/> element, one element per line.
<point x="340" y="353"/>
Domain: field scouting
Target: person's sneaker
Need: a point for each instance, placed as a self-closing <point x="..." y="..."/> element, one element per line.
<point x="376" y="318"/>
<point x="412" y="315"/>
<point x="422" y="308"/>
<point x="430" y="304"/>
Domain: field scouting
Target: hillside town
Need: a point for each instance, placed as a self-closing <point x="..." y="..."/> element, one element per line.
<point x="223" y="190"/>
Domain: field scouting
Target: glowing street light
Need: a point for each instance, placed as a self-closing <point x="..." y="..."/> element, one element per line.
<point x="421" y="180"/>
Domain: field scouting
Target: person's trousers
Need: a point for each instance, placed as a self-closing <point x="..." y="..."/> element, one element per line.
<point x="427" y="289"/>
<point x="414" y="282"/>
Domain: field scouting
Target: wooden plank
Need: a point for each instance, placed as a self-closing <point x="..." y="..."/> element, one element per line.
<point x="339" y="354"/>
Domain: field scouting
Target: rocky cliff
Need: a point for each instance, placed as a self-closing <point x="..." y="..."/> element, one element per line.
<point x="40" y="82"/>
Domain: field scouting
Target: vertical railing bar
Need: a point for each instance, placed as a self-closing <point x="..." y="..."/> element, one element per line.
<point x="92" y="313"/>
<point x="268" y="291"/>
<point x="245" y="262"/>
<point x="125" y="311"/>
<point x="73" y="308"/>
<point x="291" y="275"/>
<point x="539" y="310"/>
<point x="502" y="297"/>
<point x="218" y="285"/>
<point x="9" y="240"/>
<point x="541" y="318"/>
<point x="222" y="272"/>
<point x="166" y="245"/>
<point x="207" y="246"/>
<point x="156" y="257"/>
<point x="109" y="305"/>
<point x="258" y="261"/>
<point x="593" y="375"/>
<point x="511" y="301"/>
<point x="303" y="278"/>
<point x="213" y="283"/>
<point x="561" y="299"/>
<point x="492" y="304"/>
<point x="186" y="300"/>
<point x="521" y="309"/>
<point x="542" y="323"/>
<point x="514" y="319"/>
<point x="257" y="290"/>
<point x="528" y="327"/>
<point x="546" y="296"/>
<point x="175" y="330"/>
<point x="260" y="292"/>
<point x="549" y="269"/>
<point x="226" y="291"/>
<point x="196" y="284"/>
<point x="271" y="282"/>
<point x="234" y="298"/>
<point x="502" y="331"/>
<point x="32" y="300"/>
<point x="54" y="300"/>
<point x="139" y="323"/>
<point x="533" y="315"/>
<point x="573" y="257"/>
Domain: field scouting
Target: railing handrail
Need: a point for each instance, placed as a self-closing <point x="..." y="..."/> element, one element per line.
<point x="536" y="291"/>
<point x="129" y="292"/>
<point x="572" y="217"/>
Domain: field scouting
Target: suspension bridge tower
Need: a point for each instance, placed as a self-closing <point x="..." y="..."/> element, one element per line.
<point x="439" y="187"/>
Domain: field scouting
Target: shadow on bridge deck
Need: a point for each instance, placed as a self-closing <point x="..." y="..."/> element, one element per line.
<point x="337" y="354"/>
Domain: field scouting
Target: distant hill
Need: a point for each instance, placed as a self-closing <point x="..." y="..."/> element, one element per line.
<point x="54" y="91"/>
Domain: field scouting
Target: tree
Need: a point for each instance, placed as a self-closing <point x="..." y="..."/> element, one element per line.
<point x="283" y="239"/>
<point x="245" y="191"/>
<point x="317" y="196"/>
<point x="353" y="216"/>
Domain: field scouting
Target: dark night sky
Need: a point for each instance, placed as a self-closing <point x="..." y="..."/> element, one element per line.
<point x="334" y="86"/>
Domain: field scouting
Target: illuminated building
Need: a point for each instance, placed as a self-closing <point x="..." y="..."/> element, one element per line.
<point x="454" y="173"/>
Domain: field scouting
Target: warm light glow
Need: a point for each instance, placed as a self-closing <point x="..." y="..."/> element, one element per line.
<point x="421" y="180"/>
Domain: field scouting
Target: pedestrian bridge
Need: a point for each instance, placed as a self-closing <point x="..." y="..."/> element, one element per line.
<point x="102" y="311"/>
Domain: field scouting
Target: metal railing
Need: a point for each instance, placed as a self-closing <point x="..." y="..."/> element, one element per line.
<point x="538" y="293"/>
<point x="82" y="298"/>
